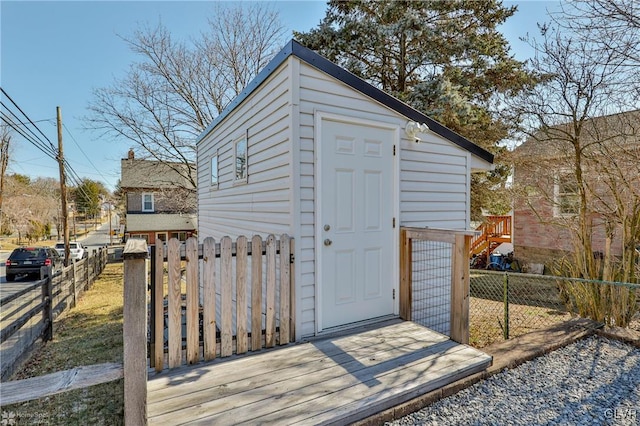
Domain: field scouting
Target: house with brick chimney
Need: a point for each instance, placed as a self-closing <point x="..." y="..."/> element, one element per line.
<point x="160" y="199"/>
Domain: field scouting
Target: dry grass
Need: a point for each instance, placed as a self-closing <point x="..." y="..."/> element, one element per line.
<point x="486" y="320"/>
<point x="90" y="333"/>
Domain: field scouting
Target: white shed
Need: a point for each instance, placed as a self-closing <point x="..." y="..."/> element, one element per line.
<point x="311" y="150"/>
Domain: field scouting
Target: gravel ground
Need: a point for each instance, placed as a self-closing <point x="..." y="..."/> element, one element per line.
<point x="595" y="381"/>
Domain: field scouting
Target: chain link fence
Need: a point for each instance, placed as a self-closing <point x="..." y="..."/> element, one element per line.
<point x="506" y="305"/>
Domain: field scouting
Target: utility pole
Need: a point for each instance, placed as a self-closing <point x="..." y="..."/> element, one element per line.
<point x="4" y="162"/>
<point x="110" y="230"/>
<point x="63" y="190"/>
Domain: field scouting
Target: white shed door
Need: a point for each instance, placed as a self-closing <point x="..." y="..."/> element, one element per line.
<point x="356" y="230"/>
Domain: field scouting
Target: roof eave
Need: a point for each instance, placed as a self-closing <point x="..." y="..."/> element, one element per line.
<point x="316" y="60"/>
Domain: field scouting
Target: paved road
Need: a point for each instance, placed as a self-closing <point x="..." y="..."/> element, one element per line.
<point x="93" y="241"/>
<point x="100" y="237"/>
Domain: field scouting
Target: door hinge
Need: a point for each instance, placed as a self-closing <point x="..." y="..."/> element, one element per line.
<point x="394" y="150"/>
<point x="394" y="294"/>
<point x="394" y="222"/>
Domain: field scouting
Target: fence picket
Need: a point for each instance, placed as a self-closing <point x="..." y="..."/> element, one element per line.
<point x="285" y="287"/>
<point x="226" y="332"/>
<point x="174" y="303"/>
<point x="193" y="300"/>
<point x="209" y="298"/>
<point x="241" y="295"/>
<point x="158" y="331"/>
<point x="270" y="329"/>
<point x="256" y="293"/>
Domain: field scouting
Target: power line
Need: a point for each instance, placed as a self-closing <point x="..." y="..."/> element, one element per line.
<point x="27" y="117"/>
<point x="21" y="130"/>
<point x="49" y="149"/>
<point x="83" y="153"/>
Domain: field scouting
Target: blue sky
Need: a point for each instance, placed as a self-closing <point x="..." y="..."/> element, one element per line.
<point x="55" y="53"/>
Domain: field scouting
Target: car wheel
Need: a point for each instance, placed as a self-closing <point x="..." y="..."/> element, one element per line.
<point x="11" y="277"/>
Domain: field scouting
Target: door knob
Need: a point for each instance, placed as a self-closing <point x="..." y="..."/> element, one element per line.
<point x="327" y="227"/>
<point x="327" y="242"/>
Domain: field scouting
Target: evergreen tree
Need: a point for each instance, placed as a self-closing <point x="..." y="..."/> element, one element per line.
<point x="444" y="58"/>
<point x="88" y="195"/>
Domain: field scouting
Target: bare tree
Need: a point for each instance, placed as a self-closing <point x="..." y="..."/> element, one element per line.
<point x="30" y="206"/>
<point x="613" y="25"/>
<point x="614" y="185"/>
<point x="178" y="88"/>
<point x="5" y="139"/>
<point x="581" y="82"/>
<point x="581" y="124"/>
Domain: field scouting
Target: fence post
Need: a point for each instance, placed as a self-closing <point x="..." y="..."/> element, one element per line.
<point x="505" y="299"/>
<point x="87" y="277"/>
<point x="47" y="299"/>
<point x="135" y="332"/>
<point x="405" y="276"/>
<point x="74" y="282"/>
<point x="459" y="320"/>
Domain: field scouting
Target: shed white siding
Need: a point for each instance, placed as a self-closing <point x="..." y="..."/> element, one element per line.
<point x="434" y="184"/>
<point x="262" y="205"/>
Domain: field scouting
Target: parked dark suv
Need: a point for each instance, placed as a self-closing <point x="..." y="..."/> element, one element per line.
<point x="29" y="260"/>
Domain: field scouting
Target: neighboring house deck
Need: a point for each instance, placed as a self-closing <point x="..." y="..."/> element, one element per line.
<point x="335" y="380"/>
<point x="160" y="200"/>
<point x="495" y="231"/>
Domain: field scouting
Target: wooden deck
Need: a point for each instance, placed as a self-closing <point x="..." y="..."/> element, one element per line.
<point x="335" y="380"/>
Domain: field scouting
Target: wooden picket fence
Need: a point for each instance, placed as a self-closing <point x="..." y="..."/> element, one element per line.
<point x="215" y="273"/>
<point x="219" y="298"/>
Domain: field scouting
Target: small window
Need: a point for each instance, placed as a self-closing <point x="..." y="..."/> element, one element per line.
<point x="147" y="202"/>
<point x="214" y="170"/>
<point x="240" y="156"/>
<point x="161" y="236"/>
<point x="567" y="196"/>
<point x="181" y="236"/>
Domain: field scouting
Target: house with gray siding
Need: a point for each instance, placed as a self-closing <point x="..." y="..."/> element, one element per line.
<point x="311" y="150"/>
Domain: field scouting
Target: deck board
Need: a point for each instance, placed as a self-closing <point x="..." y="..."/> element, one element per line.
<point x="290" y="368"/>
<point x="335" y="380"/>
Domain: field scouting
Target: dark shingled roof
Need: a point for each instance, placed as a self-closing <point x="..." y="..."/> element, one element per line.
<point x="621" y="129"/>
<point x="150" y="174"/>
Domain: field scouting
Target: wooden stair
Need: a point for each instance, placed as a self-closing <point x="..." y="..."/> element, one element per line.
<point x="493" y="232"/>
